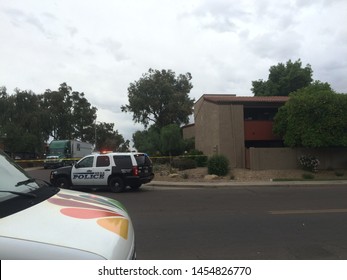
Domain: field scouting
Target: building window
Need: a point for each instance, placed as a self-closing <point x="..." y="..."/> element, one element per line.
<point x="259" y="114"/>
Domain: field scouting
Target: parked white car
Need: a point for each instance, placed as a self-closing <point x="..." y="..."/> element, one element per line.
<point x="39" y="221"/>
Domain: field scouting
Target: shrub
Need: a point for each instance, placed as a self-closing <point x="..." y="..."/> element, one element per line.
<point x="160" y="160"/>
<point x="218" y="165"/>
<point x="199" y="157"/>
<point x="183" y="163"/>
<point x="339" y="173"/>
<point x="308" y="176"/>
<point x="309" y="162"/>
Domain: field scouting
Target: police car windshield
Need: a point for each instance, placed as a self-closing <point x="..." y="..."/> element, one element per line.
<point x="13" y="177"/>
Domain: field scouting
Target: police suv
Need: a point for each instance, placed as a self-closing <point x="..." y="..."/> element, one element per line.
<point x="113" y="170"/>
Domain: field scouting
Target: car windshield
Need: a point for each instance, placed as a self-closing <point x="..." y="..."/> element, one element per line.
<point x="14" y="180"/>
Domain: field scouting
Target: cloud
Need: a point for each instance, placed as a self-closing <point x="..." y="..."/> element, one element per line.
<point x="279" y="46"/>
<point x="72" y="30"/>
<point x="114" y="48"/>
<point x="220" y="16"/>
<point x="20" y="19"/>
<point x="225" y="45"/>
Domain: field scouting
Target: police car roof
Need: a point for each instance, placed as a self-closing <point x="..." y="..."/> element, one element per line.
<point x="120" y="153"/>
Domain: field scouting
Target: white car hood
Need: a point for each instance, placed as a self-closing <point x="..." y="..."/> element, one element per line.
<point x="95" y="226"/>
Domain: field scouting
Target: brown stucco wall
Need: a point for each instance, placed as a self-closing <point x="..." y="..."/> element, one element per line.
<point x="287" y="158"/>
<point x="219" y="130"/>
<point x="207" y="128"/>
<point x="231" y="129"/>
<point x="188" y="131"/>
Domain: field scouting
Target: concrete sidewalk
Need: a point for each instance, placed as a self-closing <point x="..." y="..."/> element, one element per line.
<point x="216" y="184"/>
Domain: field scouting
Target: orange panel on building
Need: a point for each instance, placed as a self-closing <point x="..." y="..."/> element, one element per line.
<point x="259" y="130"/>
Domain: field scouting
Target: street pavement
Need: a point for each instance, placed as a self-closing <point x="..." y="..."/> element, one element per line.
<point x="218" y="184"/>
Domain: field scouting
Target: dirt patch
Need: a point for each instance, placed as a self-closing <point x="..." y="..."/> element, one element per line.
<point x="163" y="173"/>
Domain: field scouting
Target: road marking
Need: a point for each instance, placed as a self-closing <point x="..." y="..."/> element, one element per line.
<point x="308" y="211"/>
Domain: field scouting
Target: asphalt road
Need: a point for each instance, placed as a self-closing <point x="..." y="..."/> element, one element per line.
<point x="237" y="223"/>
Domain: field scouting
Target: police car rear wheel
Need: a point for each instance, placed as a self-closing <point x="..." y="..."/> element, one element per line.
<point x="116" y="184"/>
<point x="136" y="186"/>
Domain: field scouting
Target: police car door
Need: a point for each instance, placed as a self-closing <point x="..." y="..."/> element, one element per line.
<point x="91" y="171"/>
<point x="102" y="170"/>
<point x="82" y="171"/>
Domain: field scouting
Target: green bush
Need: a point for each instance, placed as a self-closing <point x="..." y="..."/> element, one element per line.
<point x="218" y="165"/>
<point x="183" y="163"/>
<point x="308" y="176"/>
<point x="339" y="173"/>
<point x="199" y="157"/>
<point x="160" y="160"/>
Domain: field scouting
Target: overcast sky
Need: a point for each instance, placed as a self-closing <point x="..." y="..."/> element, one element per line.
<point x="100" y="47"/>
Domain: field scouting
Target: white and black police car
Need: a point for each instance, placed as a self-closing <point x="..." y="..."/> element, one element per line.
<point x="115" y="171"/>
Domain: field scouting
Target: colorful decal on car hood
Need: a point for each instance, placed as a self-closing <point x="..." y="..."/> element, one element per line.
<point x="83" y="206"/>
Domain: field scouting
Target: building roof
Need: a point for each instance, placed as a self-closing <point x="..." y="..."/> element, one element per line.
<point x="231" y="98"/>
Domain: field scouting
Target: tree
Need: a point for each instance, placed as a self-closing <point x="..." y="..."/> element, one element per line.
<point x="69" y="115"/>
<point x="28" y="120"/>
<point x="284" y="79"/>
<point x="21" y="123"/>
<point x="3" y="91"/>
<point x="83" y="117"/>
<point x="3" y="108"/>
<point x="161" y="98"/>
<point x="313" y="117"/>
<point x="147" y="141"/>
<point x="171" y="140"/>
<point x="58" y="106"/>
<point x="108" y="139"/>
<point x="167" y="141"/>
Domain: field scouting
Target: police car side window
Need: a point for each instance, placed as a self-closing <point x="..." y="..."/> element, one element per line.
<point x="87" y="162"/>
<point x="102" y="161"/>
<point x="123" y="161"/>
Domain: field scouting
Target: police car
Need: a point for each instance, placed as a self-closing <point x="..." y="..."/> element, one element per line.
<point x="112" y="170"/>
<point x="39" y="221"/>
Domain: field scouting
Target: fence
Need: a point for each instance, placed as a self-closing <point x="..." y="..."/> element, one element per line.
<point x="287" y="158"/>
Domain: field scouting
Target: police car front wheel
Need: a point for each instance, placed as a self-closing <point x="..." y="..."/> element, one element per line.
<point x="116" y="184"/>
<point x="62" y="182"/>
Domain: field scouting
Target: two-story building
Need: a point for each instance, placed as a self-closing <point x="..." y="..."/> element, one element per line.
<point x="229" y="125"/>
